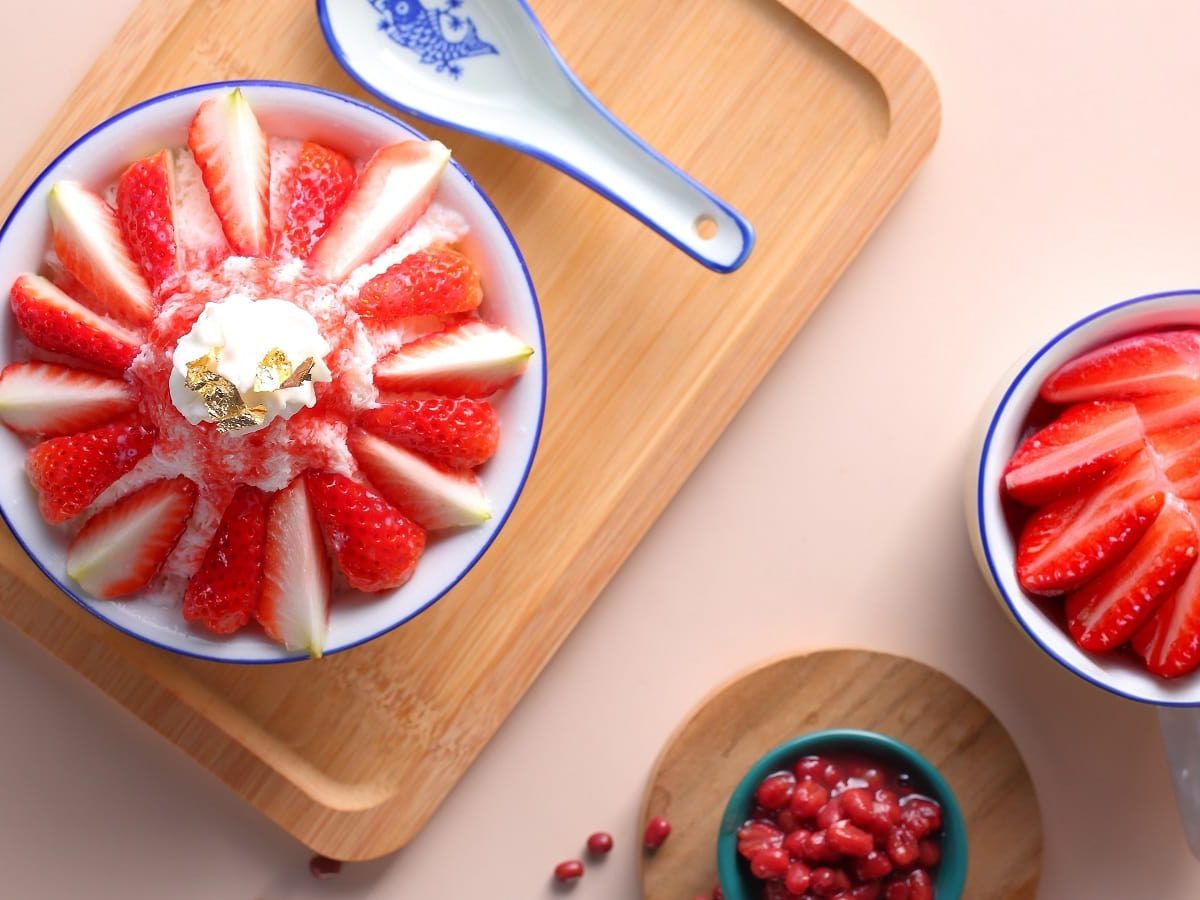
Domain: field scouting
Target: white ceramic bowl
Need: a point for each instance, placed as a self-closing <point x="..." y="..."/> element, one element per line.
<point x="298" y="111"/>
<point x="994" y="542"/>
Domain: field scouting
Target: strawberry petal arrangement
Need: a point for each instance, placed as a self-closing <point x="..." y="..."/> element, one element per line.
<point x="1110" y="491"/>
<point x="256" y="375"/>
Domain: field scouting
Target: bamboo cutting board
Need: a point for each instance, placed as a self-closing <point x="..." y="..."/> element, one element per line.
<point x="739" y="722"/>
<point x="804" y="114"/>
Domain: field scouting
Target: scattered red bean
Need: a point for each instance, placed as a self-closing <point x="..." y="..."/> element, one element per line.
<point x="902" y="846"/>
<point x="600" y="843"/>
<point x="808" y="798"/>
<point x="323" y="867"/>
<point x="829" y="813"/>
<point x="658" y="830"/>
<point x="929" y="853"/>
<point x="718" y="894"/>
<point x="768" y="864"/>
<point x="848" y="839"/>
<point x="798" y="878"/>
<point x="571" y="870"/>
<point x="920" y="886"/>
<point x="775" y="790"/>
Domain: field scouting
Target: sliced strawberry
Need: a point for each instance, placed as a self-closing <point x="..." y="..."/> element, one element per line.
<point x="70" y="472"/>
<point x="393" y="191"/>
<point x="231" y="150"/>
<point x="457" y="432"/>
<point x="375" y="546"/>
<point x="1170" y="641"/>
<point x="1133" y="367"/>
<point x="430" y="496"/>
<point x="1177" y="453"/>
<point x="1076" y="538"/>
<point x="146" y="210"/>
<point x="471" y="359"/>
<point x="1085" y="442"/>
<point x="316" y="190"/>
<point x="123" y="546"/>
<point x="87" y="238"/>
<point x="52" y="400"/>
<point x="223" y="594"/>
<point x="437" y="282"/>
<point x="294" y="605"/>
<point x="1162" y="411"/>
<point x="1105" y="613"/>
<point x="55" y="322"/>
<point x="198" y="231"/>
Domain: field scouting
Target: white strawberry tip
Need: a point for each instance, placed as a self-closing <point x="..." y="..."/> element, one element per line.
<point x="434" y="498"/>
<point x="294" y="606"/>
<point x="486" y="356"/>
<point x="87" y="234"/>
<point x="45" y="398"/>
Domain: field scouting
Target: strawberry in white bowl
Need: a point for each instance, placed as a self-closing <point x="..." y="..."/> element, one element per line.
<point x="287" y="356"/>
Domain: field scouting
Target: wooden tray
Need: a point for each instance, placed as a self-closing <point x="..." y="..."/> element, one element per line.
<point x="807" y="116"/>
<point x="711" y="751"/>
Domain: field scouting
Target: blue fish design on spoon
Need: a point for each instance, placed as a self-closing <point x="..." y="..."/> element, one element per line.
<point x="439" y="36"/>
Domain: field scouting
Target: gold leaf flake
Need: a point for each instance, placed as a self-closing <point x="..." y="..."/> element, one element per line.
<point x="273" y="371"/>
<point x="222" y="400"/>
<point x="300" y="375"/>
<point x="248" y="417"/>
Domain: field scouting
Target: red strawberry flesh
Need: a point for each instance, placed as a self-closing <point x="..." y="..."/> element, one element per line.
<point x="1085" y="442"/>
<point x="471" y="359"/>
<point x="53" y="400"/>
<point x="1133" y="367"/>
<point x="1160" y="412"/>
<point x="146" y="210"/>
<point x="70" y="472"/>
<point x="375" y="546"/>
<point x="1105" y="613"/>
<point x="435" y="282"/>
<point x="455" y="431"/>
<point x="223" y="594"/>
<point x="1076" y="538"/>
<point x="294" y="605"/>
<point x="1170" y="642"/>
<point x="317" y="188"/>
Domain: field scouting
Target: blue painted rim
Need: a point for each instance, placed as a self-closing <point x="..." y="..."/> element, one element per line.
<point x="949" y="876"/>
<point x="980" y="487"/>
<point x="743" y="224"/>
<point x="541" y="336"/>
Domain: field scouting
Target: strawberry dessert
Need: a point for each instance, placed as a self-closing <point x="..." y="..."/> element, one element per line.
<point x="256" y="376"/>
<point x="1106" y="491"/>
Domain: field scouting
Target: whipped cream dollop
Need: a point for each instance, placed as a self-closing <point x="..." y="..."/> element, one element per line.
<point x="236" y="336"/>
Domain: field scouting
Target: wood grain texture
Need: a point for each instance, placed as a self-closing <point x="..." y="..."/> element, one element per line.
<point x="805" y="115"/>
<point x="711" y="751"/>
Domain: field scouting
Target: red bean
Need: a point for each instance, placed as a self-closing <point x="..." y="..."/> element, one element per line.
<point x="808" y="798"/>
<point x="768" y="864"/>
<point x="817" y="848"/>
<point x="902" y="846"/>
<point x="896" y="890"/>
<point x="717" y="893"/>
<point x="787" y="820"/>
<point x="600" y="843"/>
<point x="798" y="878"/>
<point x="323" y="867"/>
<point x="873" y="777"/>
<point x="776" y="790"/>
<point x="832" y="775"/>
<point x="822" y="883"/>
<point x="809" y="766"/>
<point x="875" y="864"/>
<point x="920" y="885"/>
<point x="571" y="870"/>
<point x="848" y="839"/>
<point x="921" y="815"/>
<point x="858" y="805"/>
<point x="757" y="835"/>
<point x="929" y="853"/>
<point x="869" y="891"/>
<point x="796" y="841"/>
<point x="829" y="813"/>
<point x="658" y="830"/>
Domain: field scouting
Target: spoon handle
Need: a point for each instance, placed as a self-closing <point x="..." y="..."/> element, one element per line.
<point x="1181" y="735"/>
<point x="590" y="144"/>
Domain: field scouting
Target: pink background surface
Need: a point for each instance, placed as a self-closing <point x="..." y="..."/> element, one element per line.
<point x="828" y="515"/>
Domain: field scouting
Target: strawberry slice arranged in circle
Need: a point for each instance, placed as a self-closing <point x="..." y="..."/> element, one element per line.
<point x="53" y="321"/>
<point x="1085" y="442"/>
<point x="471" y="359"/>
<point x="1133" y="367"/>
<point x="455" y="431"/>
<point x="88" y="241"/>
<point x="223" y="594"/>
<point x="1160" y="412"/>
<point x="1170" y="641"/>
<point x="232" y="152"/>
<point x="52" y="400"/>
<point x="1106" y="612"/>
<point x="123" y="546"/>
<point x="1177" y="453"/>
<point x="70" y="472"/>
<point x="437" y="282"/>
<point x="393" y="190"/>
<point x="375" y="546"/>
<point x="146" y="211"/>
<point x="296" y="588"/>
<point x="1076" y="538"/>
<point x="316" y="189"/>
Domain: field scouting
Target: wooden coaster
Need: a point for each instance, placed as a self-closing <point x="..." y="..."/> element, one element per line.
<point x="737" y="724"/>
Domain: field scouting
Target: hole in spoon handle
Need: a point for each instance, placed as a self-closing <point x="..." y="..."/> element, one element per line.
<point x="598" y="150"/>
<point x="1181" y="737"/>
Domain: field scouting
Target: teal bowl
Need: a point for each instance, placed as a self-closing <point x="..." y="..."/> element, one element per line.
<point x="738" y="883"/>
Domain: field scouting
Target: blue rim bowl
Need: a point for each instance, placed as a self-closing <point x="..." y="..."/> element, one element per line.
<point x="738" y="883"/>
<point x="306" y="112"/>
